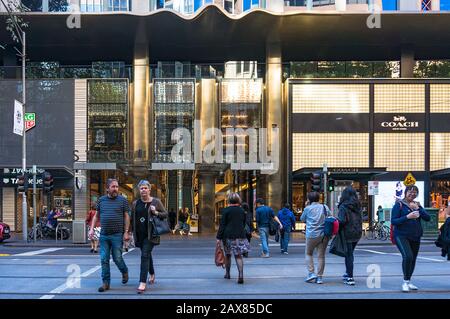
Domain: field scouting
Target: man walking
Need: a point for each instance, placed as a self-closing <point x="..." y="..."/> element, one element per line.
<point x="264" y="215"/>
<point x="112" y="210"/>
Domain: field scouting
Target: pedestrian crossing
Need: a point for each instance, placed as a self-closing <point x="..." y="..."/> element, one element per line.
<point x="37" y="252"/>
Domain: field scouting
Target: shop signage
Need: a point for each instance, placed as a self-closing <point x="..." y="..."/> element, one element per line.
<point x="30" y="121"/>
<point x="344" y="170"/>
<point x="399" y="123"/>
<point x="373" y="188"/>
<point x="409" y="180"/>
<point x="14" y="171"/>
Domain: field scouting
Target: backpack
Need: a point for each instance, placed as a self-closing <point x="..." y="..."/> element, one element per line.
<point x="331" y="226"/>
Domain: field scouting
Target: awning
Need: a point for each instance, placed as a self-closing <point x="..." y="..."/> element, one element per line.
<point x="441" y="174"/>
<point x="340" y="173"/>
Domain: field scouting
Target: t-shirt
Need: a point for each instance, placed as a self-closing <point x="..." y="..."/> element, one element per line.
<point x="314" y="217"/>
<point x="111" y="212"/>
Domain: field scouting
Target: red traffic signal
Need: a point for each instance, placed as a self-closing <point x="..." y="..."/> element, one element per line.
<point x="47" y="179"/>
<point x="22" y="183"/>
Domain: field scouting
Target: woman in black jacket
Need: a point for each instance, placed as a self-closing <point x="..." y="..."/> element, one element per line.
<point x="350" y="221"/>
<point x="232" y="234"/>
<point x="142" y="212"/>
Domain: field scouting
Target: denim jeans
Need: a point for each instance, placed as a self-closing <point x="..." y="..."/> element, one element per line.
<point x="349" y="259"/>
<point x="264" y="236"/>
<point x="112" y="243"/>
<point x="284" y="239"/>
<point x="146" y="260"/>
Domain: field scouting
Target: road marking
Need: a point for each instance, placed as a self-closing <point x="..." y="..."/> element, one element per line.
<point x="38" y="252"/>
<point x="4" y="255"/>
<point x="398" y="254"/>
<point x="64" y="286"/>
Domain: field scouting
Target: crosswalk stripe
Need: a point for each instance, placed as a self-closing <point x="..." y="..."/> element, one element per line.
<point x="38" y="252"/>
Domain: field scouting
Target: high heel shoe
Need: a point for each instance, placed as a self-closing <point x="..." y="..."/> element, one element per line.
<point x="151" y="280"/>
<point x="140" y="290"/>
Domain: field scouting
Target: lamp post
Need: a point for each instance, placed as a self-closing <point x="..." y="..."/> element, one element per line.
<point x="20" y="34"/>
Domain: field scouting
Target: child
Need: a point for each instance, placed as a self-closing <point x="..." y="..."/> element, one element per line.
<point x="444" y="236"/>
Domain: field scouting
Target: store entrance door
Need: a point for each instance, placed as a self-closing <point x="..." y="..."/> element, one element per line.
<point x="335" y="196"/>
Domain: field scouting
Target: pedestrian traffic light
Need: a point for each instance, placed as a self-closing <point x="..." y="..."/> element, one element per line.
<point x="47" y="179"/>
<point x="331" y="184"/>
<point x="22" y="183"/>
<point x="316" y="182"/>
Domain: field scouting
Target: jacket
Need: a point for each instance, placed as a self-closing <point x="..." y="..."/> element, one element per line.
<point x="263" y="216"/>
<point x="232" y="223"/>
<point x="350" y="220"/>
<point x="287" y="218"/>
<point x="162" y="213"/>
<point x="404" y="227"/>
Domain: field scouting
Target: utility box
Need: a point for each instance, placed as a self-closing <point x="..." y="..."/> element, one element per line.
<point x="79" y="232"/>
<point x="431" y="228"/>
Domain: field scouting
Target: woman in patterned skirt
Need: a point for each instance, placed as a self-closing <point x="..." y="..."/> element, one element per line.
<point x="233" y="236"/>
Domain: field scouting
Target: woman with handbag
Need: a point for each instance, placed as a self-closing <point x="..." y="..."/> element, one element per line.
<point x="232" y="234"/>
<point x="406" y="219"/>
<point x="143" y="215"/>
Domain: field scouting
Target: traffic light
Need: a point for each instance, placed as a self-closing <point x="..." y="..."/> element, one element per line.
<point x="316" y="182"/>
<point x="22" y="183"/>
<point x="331" y="184"/>
<point x="47" y="179"/>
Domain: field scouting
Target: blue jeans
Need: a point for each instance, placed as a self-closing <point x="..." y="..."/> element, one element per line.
<point x="264" y="236"/>
<point x="112" y="243"/>
<point x="284" y="239"/>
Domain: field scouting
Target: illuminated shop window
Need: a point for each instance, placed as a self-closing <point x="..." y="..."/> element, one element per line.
<point x="440" y="98"/>
<point x="241" y="91"/>
<point x="405" y="98"/>
<point x="330" y="98"/>
<point x="335" y="149"/>
<point x="440" y="151"/>
<point x="400" y="151"/>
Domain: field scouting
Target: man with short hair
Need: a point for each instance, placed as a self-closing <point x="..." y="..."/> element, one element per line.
<point x="113" y="211"/>
<point x="264" y="214"/>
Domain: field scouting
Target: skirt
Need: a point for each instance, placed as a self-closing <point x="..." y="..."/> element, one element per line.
<point x="96" y="235"/>
<point x="236" y="246"/>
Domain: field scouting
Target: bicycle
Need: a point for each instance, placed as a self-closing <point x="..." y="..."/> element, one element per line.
<point x="377" y="231"/>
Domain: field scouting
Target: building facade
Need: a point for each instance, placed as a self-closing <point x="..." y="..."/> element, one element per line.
<point x="205" y="106"/>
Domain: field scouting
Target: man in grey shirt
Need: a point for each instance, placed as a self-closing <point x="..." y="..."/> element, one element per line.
<point x="314" y="216"/>
<point x="113" y="211"/>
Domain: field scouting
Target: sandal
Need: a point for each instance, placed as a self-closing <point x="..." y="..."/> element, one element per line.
<point x="151" y="280"/>
<point x="140" y="290"/>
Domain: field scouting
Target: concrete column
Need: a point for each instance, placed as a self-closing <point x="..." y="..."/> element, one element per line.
<point x="140" y="96"/>
<point x="206" y="199"/>
<point x="81" y="195"/>
<point x="341" y="5"/>
<point x="276" y="117"/>
<point x="407" y="63"/>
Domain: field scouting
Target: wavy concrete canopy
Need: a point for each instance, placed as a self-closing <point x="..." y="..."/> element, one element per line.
<point x="212" y="35"/>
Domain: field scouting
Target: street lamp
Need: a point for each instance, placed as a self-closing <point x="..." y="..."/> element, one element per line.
<point x="20" y="34"/>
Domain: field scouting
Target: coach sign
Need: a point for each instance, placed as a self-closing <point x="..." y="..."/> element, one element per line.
<point x="412" y="122"/>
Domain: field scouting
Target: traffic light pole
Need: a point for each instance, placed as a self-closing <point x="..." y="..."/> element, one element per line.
<point x="34" y="202"/>
<point x="325" y="187"/>
<point x="24" y="145"/>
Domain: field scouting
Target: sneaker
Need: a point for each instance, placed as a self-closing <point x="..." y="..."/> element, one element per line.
<point x="189" y="234"/>
<point x="265" y="255"/>
<point x="405" y="287"/>
<point x="285" y="252"/>
<point x="319" y="280"/>
<point x="344" y="277"/>
<point x="311" y="277"/>
<point x="349" y="281"/>
<point x="412" y="287"/>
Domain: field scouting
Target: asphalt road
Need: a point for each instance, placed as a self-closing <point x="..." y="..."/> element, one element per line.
<point x="185" y="269"/>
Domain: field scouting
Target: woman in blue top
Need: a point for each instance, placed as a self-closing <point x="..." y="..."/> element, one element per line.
<point x="406" y="219"/>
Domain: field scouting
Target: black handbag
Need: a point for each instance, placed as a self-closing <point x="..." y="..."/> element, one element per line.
<point x="338" y="245"/>
<point x="160" y="226"/>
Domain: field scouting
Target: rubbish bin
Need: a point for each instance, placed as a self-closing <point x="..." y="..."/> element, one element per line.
<point x="79" y="232"/>
<point x="431" y="228"/>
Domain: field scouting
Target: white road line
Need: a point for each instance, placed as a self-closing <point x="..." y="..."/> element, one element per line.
<point x="398" y="254"/>
<point x="38" y="252"/>
<point x="64" y="286"/>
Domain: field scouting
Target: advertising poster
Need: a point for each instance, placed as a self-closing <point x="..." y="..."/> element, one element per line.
<point x="389" y="192"/>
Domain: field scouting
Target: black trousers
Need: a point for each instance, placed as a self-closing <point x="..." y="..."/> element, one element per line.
<point x="349" y="259"/>
<point x="409" y="250"/>
<point x="146" y="260"/>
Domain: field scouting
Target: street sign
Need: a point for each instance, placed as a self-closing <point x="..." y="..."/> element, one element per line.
<point x="18" y="118"/>
<point x="409" y="180"/>
<point x="373" y="188"/>
<point x="30" y="121"/>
